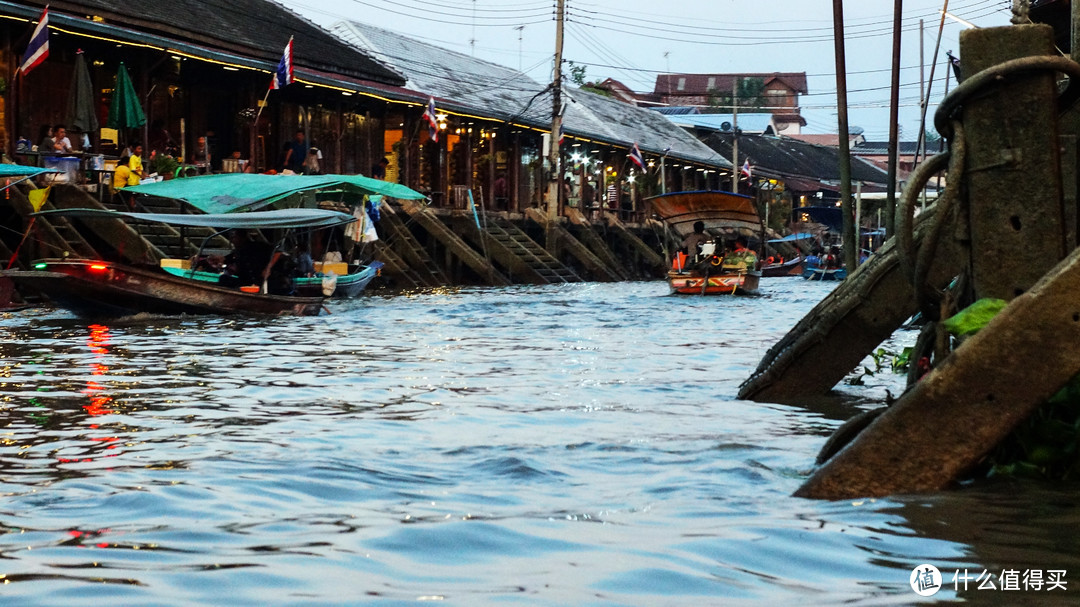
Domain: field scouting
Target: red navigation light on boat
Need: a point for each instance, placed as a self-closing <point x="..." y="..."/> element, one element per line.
<point x="99" y="267"/>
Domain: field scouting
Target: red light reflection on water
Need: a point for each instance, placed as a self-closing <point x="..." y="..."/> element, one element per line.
<point x="79" y="537"/>
<point x="98" y="342"/>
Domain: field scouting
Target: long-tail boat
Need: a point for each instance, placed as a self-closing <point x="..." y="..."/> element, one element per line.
<point x="724" y="215"/>
<point x="95" y="287"/>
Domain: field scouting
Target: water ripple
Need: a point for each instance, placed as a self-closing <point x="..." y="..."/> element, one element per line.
<point x="573" y="444"/>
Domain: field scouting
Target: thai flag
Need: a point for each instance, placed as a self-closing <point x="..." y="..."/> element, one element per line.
<point x="38" y="49"/>
<point x="283" y="76"/>
<point x="636" y="157"/>
<point x="746" y="170"/>
<point x="562" y="134"/>
<point x="432" y="120"/>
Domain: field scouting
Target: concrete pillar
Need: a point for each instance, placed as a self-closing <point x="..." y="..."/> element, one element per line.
<point x="1013" y="180"/>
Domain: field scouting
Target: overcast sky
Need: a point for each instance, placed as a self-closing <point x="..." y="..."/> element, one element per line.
<point x="634" y="40"/>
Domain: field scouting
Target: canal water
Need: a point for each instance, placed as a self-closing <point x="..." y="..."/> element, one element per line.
<point x="562" y="445"/>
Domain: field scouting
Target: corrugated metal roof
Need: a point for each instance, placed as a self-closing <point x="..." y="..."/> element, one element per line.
<point x="786" y="157"/>
<point x="466" y="84"/>
<point x="676" y="110"/>
<point x="258" y="29"/>
<point x="881" y="148"/>
<point x="747" y="123"/>
<point x="598" y="117"/>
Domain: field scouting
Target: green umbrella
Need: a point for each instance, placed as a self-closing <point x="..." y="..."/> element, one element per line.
<point x="125" y="111"/>
<point x="81" y="114"/>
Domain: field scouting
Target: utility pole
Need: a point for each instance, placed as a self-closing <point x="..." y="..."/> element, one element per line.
<point x="555" y="182"/>
<point x="519" y="29"/>
<point x="920" y="152"/>
<point x="663" y="174"/>
<point x="851" y="257"/>
<point x="472" y="39"/>
<point x="894" y="119"/>
<point x="735" y="135"/>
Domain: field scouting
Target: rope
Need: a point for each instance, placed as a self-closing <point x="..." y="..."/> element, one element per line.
<point x="916" y="264"/>
<point x="951" y="105"/>
<point x="929" y="298"/>
<point x="906" y="205"/>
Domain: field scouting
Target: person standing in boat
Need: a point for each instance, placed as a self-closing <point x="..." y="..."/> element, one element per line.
<point x="692" y="243"/>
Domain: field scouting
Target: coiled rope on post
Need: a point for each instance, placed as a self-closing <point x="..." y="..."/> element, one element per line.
<point x="916" y="264"/>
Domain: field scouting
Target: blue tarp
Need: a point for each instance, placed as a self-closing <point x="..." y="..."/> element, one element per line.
<point x="792" y="238"/>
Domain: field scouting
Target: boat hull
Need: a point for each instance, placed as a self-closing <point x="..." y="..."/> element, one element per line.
<point x="348" y="285"/>
<point x="733" y="283"/>
<point x="792" y="267"/>
<point x="822" y="274"/>
<point x="98" y="288"/>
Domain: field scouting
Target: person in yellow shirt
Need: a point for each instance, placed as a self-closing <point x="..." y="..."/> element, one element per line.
<point x="121" y="176"/>
<point x="135" y="164"/>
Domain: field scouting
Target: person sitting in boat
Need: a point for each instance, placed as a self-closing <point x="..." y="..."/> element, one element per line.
<point x="692" y="243"/>
<point x="741" y="256"/>
<point x="249" y="263"/>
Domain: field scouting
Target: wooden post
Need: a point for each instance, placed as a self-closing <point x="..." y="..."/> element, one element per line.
<point x="850" y="254"/>
<point x="555" y="180"/>
<point x="894" y="118"/>
<point x="735" y="135"/>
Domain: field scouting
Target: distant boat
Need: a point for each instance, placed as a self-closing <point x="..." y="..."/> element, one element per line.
<point x="823" y="274"/>
<point x="349" y="284"/>
<point x="829" y="268"/>
<point x="95" y="287"/>
<point x="723" y="214"/>
<point x="790" y="267"/>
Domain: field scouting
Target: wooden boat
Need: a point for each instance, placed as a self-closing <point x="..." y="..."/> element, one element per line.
<point x="728" y="281"/>
<point x="102" y="288"/>
<point x="350" y="284"/>
<point x="105" y="288"/>
<point x="724" y="214"/>
<point x="790" y="267"/>
<point x="344" y="285"/>
<point x="824" y="274"/>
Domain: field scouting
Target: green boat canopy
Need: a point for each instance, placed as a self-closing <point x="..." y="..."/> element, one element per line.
<point x="19" y="170"/>
<point x="282" y="218"/>
<point x="235" y="192"/>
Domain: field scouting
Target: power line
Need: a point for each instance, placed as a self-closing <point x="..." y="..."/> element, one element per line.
<point x="430" y="16"/>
